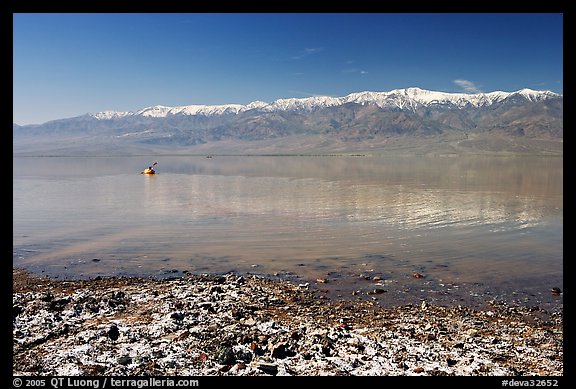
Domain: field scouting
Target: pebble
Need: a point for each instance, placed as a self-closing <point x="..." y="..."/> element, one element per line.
<point x="250" y="322"/>
<point x="125" y="360"/>
<point x="113" y="333"/>
<point x="279" y="351"/>
<point x="377" y="291"/>
<point x="268" y="368"/>
<point x="225" y="356"/>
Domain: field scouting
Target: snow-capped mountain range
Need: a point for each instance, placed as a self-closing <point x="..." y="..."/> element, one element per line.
<point x="403" y="99"/>
<point x="525" y="120"/>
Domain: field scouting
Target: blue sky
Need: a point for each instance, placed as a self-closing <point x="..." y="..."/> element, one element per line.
<point x="66" y="65"/>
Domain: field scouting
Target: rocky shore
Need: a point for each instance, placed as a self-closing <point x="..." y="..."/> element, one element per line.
<point x="200" y="325"/>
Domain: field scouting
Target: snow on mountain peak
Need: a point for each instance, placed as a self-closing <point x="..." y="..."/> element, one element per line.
<point x="155" y="111"/>
<point x="107" y="115"/>
<point x="534" y="95"/>
<point x="256" y="105"/>
<point x="408" y="98"/>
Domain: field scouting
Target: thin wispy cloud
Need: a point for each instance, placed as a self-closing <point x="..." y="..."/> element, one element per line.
<point x="307" y="94"/>
<point x="468" y="86"/>
<point x="307" y="52"/>
<point x="352" y="69"/>
<point x="359" y="71"/>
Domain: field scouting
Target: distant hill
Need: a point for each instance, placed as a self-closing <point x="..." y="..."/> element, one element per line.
<point x="408" y="120"/>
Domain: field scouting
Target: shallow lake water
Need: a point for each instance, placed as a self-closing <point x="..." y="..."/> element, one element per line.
<point x="474" y="227"/>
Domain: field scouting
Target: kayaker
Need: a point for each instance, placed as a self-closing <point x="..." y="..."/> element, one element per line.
<point x="150" y="169"/>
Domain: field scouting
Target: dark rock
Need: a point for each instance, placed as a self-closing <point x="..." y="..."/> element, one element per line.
<point x="58" y="305"/>
<point x="307" y="356"/>
<point x="377" y="291"/>
<point x="158" y="354"/>
<point x="295" y="335"/>
<point x="437" y="372"/>
<point x="279" y="351"/>
<point x="401" y="364"/>
<point x="500" y="358"/>
<point x="268" y="368"/>
<point x="256" y="349"/>
<point x="125" y="360"/>
<point x="220" y="279"/>
<point x="245" y="356"/>
<point x="47" y="297"/>
<point x="556" y="291"/>
<point x="225" y="356"/>
<point x="16" y="310"/>
<point x="178" y="316"/>
<point x="113" y="333"/>
<point x="116" y="299"/>
<point x="93" y="308"/>
<point x="326" y="345"/>
<point x="95" y="259"/>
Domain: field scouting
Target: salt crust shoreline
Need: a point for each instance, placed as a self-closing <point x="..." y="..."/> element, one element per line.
<point x="232" y="325"/>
